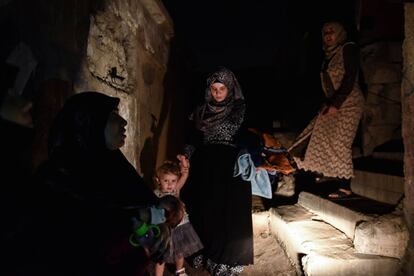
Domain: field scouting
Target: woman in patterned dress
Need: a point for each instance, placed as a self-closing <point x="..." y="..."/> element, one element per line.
<point x="329" y="136"/>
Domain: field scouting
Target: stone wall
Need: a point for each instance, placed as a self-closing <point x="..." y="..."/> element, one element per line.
<point x="127" y="56"/>
<point x="120" y="48"/>
<point x="381" y="64"/>
<point x="407" y="96"/>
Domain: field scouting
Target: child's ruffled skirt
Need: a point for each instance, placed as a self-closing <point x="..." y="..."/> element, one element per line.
<point x="184" y="242"/>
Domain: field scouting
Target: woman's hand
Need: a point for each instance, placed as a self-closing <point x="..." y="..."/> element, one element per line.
<point x="184" y="162"/>
<point x="329" y="110"/>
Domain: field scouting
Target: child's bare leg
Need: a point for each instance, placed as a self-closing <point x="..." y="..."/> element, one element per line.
<point x="179" y="263"/>
<point x="179" y="266"/>
<point x="159" y="269"/>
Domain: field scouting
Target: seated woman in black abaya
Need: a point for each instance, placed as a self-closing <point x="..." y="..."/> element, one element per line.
<point x="87" y="194"/>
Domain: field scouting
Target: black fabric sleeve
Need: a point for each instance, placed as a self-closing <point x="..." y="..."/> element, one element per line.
<point x="193" y="138"/>
<point x="351" y="64"/>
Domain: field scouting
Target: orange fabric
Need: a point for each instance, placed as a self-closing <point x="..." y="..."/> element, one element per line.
<point x="274" y="161"/>
<point x="278" y="162"/>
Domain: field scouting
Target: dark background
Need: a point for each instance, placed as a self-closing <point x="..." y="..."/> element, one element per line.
<point x="273" y="47"/>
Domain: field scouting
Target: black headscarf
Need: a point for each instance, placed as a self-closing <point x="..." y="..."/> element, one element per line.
<point x="77" y="147"/>
<point x="213" y="113"/>
<point x="80" y="125"/>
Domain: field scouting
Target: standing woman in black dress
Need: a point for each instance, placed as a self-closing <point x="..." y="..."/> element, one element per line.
<point x="218" y="203"/>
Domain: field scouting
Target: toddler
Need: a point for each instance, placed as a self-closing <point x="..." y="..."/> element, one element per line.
<point x="170" y="178"/>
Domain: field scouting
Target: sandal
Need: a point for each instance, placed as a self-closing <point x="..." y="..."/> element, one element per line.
<point x="340" y="194"/>
<point x="181" y="272"/>
<point x="322" y="179"/>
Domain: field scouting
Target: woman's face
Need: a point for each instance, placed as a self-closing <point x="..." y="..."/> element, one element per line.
<point x="329" y="35"/>
<point x="115" y="131"/>
<point x="219" y="91"/>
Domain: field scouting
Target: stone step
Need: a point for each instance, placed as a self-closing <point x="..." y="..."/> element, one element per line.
<point x="392" y="150"/>
<point x="377" y="165"/>
<point x="378" y="186"/>
<point x="393" y="156"/>
<point x="385" y="235"/>
<point x="338" y="216"/>
<point x="372" y="226"/>
<point x="378" y="179"/>
<point x="317" y="248"/>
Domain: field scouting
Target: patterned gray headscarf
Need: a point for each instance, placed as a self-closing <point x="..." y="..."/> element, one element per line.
<point x="212" y="113"/>
<point x="341" y="37"/>
<point x="226" y="77"/>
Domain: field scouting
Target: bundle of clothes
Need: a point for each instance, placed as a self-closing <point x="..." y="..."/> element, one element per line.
<point x="266" y="164"/>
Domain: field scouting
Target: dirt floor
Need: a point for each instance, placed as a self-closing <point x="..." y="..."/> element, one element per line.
<point x="269" y="257"/>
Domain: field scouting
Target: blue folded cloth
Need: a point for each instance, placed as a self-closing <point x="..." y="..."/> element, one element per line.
<point x="259" y="179"/>
<point x="157" y="215"/>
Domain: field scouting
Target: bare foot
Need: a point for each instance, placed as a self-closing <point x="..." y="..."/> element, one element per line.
<point x="341" y="193"/>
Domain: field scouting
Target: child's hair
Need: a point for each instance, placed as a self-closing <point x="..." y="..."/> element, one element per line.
<point x="174" y="209"/>
<point x="169" y="167"/>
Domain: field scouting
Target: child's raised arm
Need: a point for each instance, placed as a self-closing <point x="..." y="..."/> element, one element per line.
<point x="184" y="167"/>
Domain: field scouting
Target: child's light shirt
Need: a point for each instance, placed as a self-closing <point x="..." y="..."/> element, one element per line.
<point x="160" y="193"/>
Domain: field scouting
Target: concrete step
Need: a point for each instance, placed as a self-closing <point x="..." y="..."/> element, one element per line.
<point x="394" y="156"/>
<point x="336" y="215"/>
<point x="385" y="235"/>
<point x="317" y="248"/>
<point x="372" y="226"/>
<point x="377" y="165"/>
<point x="378" y="186"/>
<point x="391" y="150"/>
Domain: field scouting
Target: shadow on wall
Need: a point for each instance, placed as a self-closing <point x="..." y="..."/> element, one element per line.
<point x="167" y="143"/>
<point x="155" y="144"/>
<point x="176" y="84"/>
<point x="147" y="158"/>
